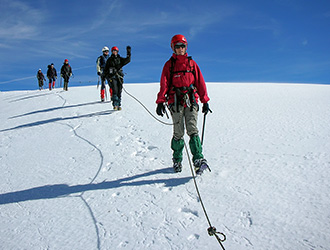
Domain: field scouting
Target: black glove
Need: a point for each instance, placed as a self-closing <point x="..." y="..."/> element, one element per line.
<point x="99" y="73"/>
<point x="160" y="109"/>
<point x="128" y="49"/>
<point x="205" y="108"/>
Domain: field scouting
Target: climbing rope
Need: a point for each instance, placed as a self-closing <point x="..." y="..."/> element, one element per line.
<point x="166" y="123"/>
<point x="212" y="231"/>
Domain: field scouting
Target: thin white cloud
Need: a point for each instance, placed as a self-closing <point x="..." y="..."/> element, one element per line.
<point x="19" y="20"/>
<point x="155" y="22"/>
<point x="18" y="79"/>
<point x="263" y="23"/>
<point x="4" y="46"/>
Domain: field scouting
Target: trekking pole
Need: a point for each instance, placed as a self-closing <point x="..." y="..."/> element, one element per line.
<point x="98" y="82"/>
<point x="106" y="91"/>
<point x="61" y="82"/>
<point x="203" y="129"/>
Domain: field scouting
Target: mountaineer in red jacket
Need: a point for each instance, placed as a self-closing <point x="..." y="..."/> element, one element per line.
<point x="181" y="85"/>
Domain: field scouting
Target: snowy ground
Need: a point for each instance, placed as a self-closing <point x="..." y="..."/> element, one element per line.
<point x="77" y="175"/>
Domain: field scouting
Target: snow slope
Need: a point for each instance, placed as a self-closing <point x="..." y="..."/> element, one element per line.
<point x="77" y="175"/>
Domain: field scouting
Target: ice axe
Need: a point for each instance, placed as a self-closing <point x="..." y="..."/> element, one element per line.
<point x="203" y="129"/>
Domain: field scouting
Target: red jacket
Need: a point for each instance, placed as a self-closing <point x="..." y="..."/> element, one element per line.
<point x="181" y="79"/>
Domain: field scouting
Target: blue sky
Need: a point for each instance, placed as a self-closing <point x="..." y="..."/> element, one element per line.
<point x="232" y="41"/>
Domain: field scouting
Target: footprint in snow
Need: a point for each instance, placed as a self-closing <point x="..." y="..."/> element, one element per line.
<point x="189" y="211"/>
<point x="246" y="219"/>
<point x="193" y="237"/>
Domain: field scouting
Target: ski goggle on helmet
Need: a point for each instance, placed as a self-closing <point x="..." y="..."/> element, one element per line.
<point x="114" y="49"/>
<point x="178" y="40"/>
<point x="105" y="48"/>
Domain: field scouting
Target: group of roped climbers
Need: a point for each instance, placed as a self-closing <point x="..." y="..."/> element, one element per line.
<point x="109" y="68"/>
<point x="181" y="87"/>
<point x="66" y="73"/>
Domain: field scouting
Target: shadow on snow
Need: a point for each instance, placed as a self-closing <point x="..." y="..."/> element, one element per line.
<point x="64" y="190"/>
<point x="33" y="124"/>
<point x="55" y="108"/>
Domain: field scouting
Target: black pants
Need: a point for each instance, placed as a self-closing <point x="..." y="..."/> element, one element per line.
<point x="103" y="79"/>
<point x="66" y="82"/>
<point x="117" y="87"/>
<point x="41" y="83"/>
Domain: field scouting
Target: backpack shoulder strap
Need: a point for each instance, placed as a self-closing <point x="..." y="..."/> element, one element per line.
<point x="172" y="59"/>
<point x="172" y="66"/>
<point x="191" y="65"/>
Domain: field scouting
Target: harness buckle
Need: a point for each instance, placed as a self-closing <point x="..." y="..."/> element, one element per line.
<point x="186" y="100"/>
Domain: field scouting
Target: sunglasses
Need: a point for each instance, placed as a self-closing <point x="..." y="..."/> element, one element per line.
<point x="180" y="46"/>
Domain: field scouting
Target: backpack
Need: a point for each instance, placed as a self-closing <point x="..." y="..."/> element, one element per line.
<point x="103" y="60"/>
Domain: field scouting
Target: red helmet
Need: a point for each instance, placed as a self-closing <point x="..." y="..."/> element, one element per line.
<point x="66" y="60"/>
<point x="114" y="48"/>
<point x="178" y="39"/>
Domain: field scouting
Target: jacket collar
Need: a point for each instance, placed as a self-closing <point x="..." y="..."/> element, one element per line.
<point x="179" y="57"/>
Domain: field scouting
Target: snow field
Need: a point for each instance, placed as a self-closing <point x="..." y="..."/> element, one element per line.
<point x="77" y="175"/>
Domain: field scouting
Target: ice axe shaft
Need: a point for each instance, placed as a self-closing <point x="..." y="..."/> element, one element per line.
<point x="167" y="114"/>
<point x="203" y="129"/>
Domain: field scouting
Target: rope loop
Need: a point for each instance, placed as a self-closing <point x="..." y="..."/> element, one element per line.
<point x="213" y="231"/>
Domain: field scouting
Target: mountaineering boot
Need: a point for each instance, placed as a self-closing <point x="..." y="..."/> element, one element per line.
<point x="115" y="102"/>
<point x="177" y="166"/>
<point x="200" y="165"/>
<point x="177" y="146"/>
<point x="196" y="147"/>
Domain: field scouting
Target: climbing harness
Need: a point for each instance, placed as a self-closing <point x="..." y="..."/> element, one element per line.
<point x="185" y="96"/>
<point x="212" y="231"/>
